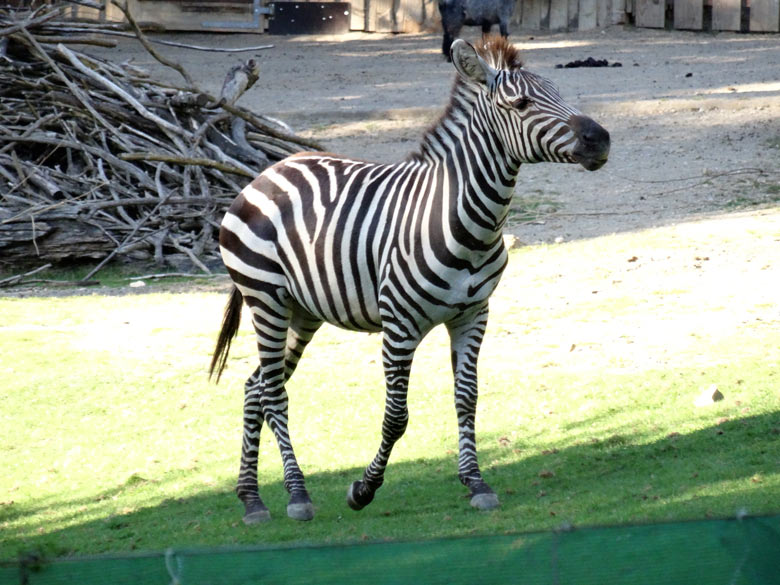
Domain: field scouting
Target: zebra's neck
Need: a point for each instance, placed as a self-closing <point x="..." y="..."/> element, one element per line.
<point x="480" y="176"/>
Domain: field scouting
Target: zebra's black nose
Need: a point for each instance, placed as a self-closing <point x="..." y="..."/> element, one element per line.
<point x="592" y="149"/>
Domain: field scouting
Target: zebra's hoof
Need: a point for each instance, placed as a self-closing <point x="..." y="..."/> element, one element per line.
<point x="356" y="498"/>
<point x="484" y="501"/>
<point x="255" y="512"/>
<point x="256" y="517"/>
<point x="303" y="512"/>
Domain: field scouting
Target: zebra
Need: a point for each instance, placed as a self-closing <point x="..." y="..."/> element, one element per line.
<point x="390" y="248"/>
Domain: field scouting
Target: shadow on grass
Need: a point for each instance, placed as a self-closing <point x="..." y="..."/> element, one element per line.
<point x="714" y="471"/>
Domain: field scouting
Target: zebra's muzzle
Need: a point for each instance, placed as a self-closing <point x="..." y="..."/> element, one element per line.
<point x="592" y="148"/>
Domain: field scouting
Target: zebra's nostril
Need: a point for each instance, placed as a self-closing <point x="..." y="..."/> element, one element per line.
<point x="592" y="146"/>
<point x="589" y="132"/>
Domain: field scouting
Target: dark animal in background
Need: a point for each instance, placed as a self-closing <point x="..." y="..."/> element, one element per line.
<point x="485" y="13"/>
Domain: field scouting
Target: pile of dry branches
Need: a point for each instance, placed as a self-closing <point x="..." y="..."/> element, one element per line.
<point x="99" y="160"/>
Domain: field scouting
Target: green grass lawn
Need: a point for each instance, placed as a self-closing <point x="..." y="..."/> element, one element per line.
<point x="112" y="439"/>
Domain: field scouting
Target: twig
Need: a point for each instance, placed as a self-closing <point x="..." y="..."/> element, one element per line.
<point x="75" y="90"/>
<point x="110" y="85"/>
<point x="148" y="46"/>
<point x="32" y="20"/>
<point x="173" y="275"/>
<point x="13" y="280"/>
<point x="119" y="33"/>
<point x="183" y="160"/>
<point x="114" y="252"/>
<point x="190" y="255"/>
<point x="77" y="41"/>
<point x="260" y="125"/>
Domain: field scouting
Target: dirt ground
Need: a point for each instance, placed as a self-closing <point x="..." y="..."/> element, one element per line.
<point x="694" y="117"/>
<point x="694" y="120"/>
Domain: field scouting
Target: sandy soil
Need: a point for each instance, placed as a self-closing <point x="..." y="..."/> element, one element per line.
<point x="694" y="118"/>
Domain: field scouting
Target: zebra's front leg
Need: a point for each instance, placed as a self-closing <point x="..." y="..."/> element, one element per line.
<point x="465" y="340"/>
<point x="397" y="362"/>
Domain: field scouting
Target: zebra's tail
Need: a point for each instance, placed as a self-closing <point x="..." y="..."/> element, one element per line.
<point x="230" y="323"/>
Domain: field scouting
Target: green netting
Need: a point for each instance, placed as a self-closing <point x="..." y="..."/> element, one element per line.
<point x="712" y="552"/>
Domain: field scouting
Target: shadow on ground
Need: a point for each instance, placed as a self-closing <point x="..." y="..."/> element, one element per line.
<point x="608" y="480"/>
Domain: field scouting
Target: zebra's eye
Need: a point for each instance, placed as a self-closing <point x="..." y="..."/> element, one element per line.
<point x="522" y="103"/>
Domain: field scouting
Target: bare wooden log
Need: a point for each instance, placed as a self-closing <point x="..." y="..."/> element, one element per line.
<point x="73" y="40"/>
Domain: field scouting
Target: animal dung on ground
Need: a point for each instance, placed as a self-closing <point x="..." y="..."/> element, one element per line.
<point x="589" y="62"/>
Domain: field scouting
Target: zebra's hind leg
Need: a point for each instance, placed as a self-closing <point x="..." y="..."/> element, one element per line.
<point x="266" y="400"/>
<point x="465" y="340"/>
<point x="255" y="510"/>
<point x="302" y="328"/>
<point x="397" y="360"/>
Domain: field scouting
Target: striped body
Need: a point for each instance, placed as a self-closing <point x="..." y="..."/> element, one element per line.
<point x="392" y="248"/>
<point x="356" y="233"/>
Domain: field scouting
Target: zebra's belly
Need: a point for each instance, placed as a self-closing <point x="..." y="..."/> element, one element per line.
<point x="340" y="295"/>
<point x="340" y="299"/>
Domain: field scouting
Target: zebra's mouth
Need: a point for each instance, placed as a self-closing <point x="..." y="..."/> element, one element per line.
<point x="592" y="163"/>
<point x="592" y="149"/>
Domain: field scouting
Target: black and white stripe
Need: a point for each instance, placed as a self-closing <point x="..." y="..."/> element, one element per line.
<point x="397" y="248"/>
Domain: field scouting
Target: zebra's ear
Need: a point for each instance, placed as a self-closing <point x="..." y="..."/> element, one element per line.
<point x="470" y="65"/>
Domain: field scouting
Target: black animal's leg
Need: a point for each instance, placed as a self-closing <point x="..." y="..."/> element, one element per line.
<point x="446" y="43"/>
<point x="503" y="28"/>
<point x="465" y="340"/>
<point x="450" y="34"/>
<point x="397" y="360"/>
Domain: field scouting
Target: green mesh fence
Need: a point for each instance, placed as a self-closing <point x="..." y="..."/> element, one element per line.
<point x="712" y="552"/>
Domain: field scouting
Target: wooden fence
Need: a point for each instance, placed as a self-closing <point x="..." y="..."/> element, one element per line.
<point x="734" y="15"/>
<point x="573" y="15"/>
<point x="561" y="15"/>
<point x="418" y="15"/>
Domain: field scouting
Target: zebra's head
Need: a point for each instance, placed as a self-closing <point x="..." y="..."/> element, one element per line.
<point x="525" y="110"/>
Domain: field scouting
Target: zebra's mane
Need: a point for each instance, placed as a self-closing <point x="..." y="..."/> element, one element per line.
<point x="499" y="54"/>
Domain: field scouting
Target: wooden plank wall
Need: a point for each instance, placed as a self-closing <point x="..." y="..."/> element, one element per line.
<point x="572" y="15"/>
<point x="764" y="16"/>
<point x="650" y="13"/>
<point x="394" y="15"/>
<point x="561" y="15"/>
<point x="726" y="15"/>
<point x="688" y="14"/>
